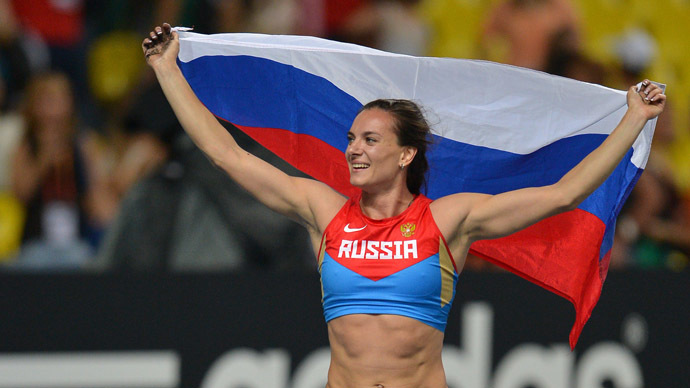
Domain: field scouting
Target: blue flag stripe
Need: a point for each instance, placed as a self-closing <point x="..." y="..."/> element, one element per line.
<point x="244" y="90"/>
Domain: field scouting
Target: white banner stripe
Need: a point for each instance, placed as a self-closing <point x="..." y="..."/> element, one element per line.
<point x="156" y="369"/>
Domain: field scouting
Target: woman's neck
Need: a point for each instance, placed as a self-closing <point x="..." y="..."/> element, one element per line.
<point x="385" y="205"/>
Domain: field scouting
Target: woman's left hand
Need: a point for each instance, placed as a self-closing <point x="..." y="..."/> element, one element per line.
<point x="649" y="100"/>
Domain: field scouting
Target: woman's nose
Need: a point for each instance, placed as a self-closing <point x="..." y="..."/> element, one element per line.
<point x="353" y="148"/>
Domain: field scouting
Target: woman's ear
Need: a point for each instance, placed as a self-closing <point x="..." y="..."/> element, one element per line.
<point x="407" y="155"/>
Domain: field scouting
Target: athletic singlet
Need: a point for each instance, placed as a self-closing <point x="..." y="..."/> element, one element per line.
<point x="399" y="265"/>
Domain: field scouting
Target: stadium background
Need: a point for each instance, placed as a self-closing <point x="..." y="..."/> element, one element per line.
<point x="182" y="304"/>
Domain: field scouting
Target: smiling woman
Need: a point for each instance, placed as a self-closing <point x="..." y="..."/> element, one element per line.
<point x="377" y="159"/>
<point x="389" y="256"/>
<point x="412" y="130"/>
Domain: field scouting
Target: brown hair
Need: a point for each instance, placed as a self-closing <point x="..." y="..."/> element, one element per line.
<point x="412" y="130"/>
<point x="36" y="86"/>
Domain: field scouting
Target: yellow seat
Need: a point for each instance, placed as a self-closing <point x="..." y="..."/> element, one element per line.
<point x="12" y="215"/>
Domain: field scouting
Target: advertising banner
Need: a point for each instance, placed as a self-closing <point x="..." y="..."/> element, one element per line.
<point x="255" y="329"/>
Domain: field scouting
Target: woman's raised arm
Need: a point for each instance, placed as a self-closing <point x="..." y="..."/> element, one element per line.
<point x="307" y="201"/>
<point x="472" y="217"/>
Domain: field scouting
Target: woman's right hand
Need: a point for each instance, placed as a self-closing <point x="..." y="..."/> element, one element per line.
<point x="162" y="46"/>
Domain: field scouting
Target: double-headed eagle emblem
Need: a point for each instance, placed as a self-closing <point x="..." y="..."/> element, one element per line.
<point x="407" y="229"/>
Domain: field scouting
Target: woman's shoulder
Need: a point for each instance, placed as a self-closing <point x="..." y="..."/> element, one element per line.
<point x="324" y="201"/>
<point x="450" y="211"/>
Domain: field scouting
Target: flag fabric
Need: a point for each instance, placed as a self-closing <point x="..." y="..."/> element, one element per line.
<point x="496" y="128"/>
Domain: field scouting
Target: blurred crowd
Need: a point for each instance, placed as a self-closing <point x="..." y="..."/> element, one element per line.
<point x="97" y="175"/>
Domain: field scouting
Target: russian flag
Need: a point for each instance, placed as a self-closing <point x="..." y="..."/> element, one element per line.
<point x="496" y="128"/>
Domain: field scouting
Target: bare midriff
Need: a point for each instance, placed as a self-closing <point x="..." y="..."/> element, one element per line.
<point x="384" y="351"/>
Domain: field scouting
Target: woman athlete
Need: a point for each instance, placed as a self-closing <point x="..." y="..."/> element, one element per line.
<point x="391" y="336"/>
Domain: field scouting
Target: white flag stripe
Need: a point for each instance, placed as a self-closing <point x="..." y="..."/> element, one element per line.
<point x="499" y="103"/>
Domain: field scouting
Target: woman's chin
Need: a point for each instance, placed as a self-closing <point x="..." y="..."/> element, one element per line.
<point x="358" y="183"/>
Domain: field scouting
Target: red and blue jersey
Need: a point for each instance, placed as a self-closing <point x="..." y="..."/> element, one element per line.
<point x="399" y="265"/>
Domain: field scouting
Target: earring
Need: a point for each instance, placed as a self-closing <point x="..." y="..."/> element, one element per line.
<point x="402" y="166"/>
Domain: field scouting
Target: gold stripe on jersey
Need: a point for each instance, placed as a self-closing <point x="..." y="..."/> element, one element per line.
<point x="322" y="252"/>
<point x="447" y="272"/>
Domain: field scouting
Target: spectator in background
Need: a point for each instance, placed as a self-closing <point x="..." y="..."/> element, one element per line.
<point x="15" y="64"/>
<point x="570" y="63"/>
<point x="212" y="224"/>
<point x="389" y="25"/>
<point x="232" y="16"/>
<point x="143" y="165"/>
<point x="635" y="50"/>
<point x="578" y="66"/>
<point x="351" y="21"/>
<point x="527" y="29"/>
<point x="277" y="16"/>
<point x="401" y="29"/>
<point x="14" y="70"/>
<point x="59" y="23"/>
<point x="567" y="60"/>
<point x="57" y="34"/>
<point x="11" y="129"/>
<point x="654" y="229"/>
<point x="11" y="211"/>
<point x="50" y="177"/>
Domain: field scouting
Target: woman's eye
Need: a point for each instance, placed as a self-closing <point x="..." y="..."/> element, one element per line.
<point x="370" y="140"/>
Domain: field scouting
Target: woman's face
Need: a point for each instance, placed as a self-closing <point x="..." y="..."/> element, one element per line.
<point x="53" y="104"/>
<point x="52" y="110"/>
<point x="373" y="153"/>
